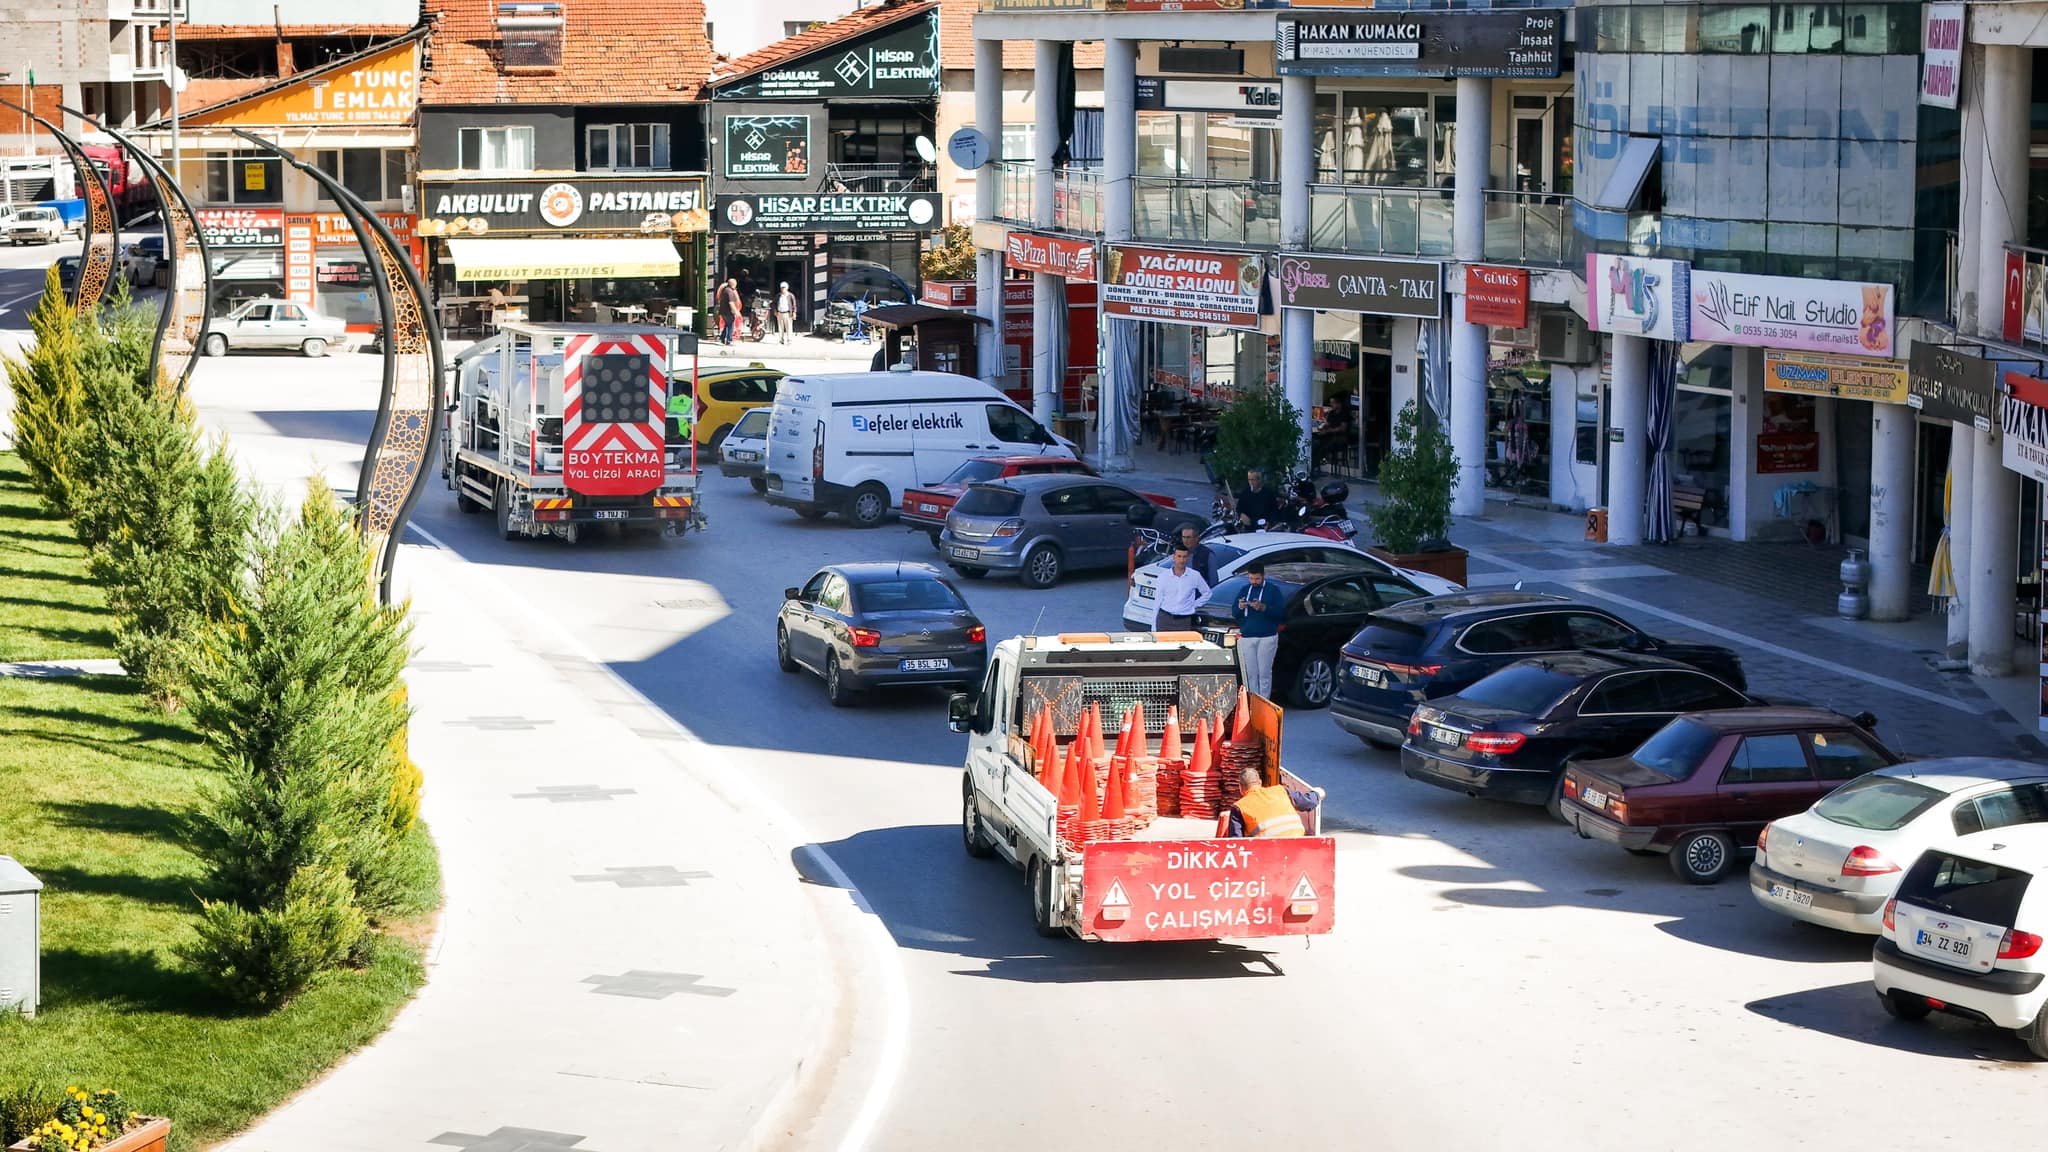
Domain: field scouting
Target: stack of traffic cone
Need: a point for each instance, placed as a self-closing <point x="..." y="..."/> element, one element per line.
<point x="1098" y="755"/>
<point x="1143" y="793"/>
<point x="1239" y="755"/>
<point x="1198" y="782"/>
<point x="1171" y="762"/>
<point x="1116" y="821"/>
<point x="1242" y="722"/>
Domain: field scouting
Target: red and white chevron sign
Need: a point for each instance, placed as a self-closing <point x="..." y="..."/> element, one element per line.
<point x="614" y="410"/>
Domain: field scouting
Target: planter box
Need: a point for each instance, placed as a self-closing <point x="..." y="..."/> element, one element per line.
<point x="149" y="1136"/>
<point x="1449" y="564"/>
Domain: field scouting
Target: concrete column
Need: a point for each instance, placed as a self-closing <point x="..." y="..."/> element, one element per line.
<point x="2003" y="96"/>
<point x="1468" y="341"/>
<point x="1891" y="511"/>
<point x="988" y="266"/>
<point x="1962" y="465"/>
<point x="1628" y="410"/>
<point x="1297" y="170"/>
<point x="1048" y="294"/>
<point x="1120" y="389"/>
<point x="1970" y="191"/>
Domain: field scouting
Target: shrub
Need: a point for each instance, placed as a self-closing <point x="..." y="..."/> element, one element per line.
<point x="1259" y="429"/>
<point x="49" y="396"/>
<point x="1415" y="486"/>
<point x="952" y="256"/>
<point x="263" y="957"/>
<point x="27" y="1107"/>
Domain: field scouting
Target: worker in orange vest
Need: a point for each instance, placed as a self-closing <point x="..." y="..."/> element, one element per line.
<point x="1268" y="810"/>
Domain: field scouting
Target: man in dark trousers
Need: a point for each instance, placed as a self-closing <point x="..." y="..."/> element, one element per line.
<point x="1257" y="502"/>
<point x="728" y="311"/>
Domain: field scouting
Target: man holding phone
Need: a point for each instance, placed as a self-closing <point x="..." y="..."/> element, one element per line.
<point x="1257" y="612"/>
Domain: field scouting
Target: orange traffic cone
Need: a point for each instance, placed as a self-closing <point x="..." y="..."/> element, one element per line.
<point x="1140" y="746"/>
<point x="1113" y="790"/>
<point x="1204" y="750"/>
<point x="1124" y="735"/>
<point x="1243" y="722"/>
<point x="1096" y="751"/>
<point x="1091" y="805"/>
<point x="1169" y="744"/>
<point x="1069" y="788"/>
<point x="1051" y="771"/>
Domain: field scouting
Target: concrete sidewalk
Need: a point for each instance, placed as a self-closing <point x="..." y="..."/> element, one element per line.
<point x="625" y="959"/>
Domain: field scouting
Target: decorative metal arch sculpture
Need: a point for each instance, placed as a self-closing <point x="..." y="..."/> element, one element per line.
<point x="402" y="442"/>
<point x="102" y="240"/>
<point x="182" y="321"/>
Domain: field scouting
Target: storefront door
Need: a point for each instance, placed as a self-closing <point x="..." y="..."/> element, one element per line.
<point x="1535" y="155"/>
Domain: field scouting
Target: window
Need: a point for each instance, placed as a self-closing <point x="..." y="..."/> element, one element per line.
<point x="835" y="597"/>
<point x="1011" y="425"/>
<point x="1774" y="759"/>
<point x="1526" y="688"/>
<point x="1537" y="632"/>
<point x="625" y="146"/>
<point x="1842" y="756"/>
<point x="1967" y="888"/>
<point x="1076" y="501"/>
<point x="234" y="178"/>
<point x="1393" y="589"/>
<point x="1695" y="692"/>
<point x="288" y="312"/>
<point x="530" y="35"/>
<point x="1677" y="749"/>
<point x="1339" y="596"/>
<point x="990" y="502"/>
<point x="1590" y="631"/>
<point x="1877" y="803"/>
<point x="508" y="149"/>
<point x="1624" y="693"/>
<point x="744" y="390"/>
<point x="815" y="589"/>
<point x="907" y="596"/>
<point x="371" y="174"/>
<point x="877" y="140"/>
<point x="2023" y="804"/>
<point x="259" y="312"/>
<point x="797" y="27"/>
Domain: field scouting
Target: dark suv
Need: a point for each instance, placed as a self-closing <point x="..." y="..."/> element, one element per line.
<point x="1438" y="645"/>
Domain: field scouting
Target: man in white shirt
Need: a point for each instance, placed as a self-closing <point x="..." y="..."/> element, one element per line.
<point x="785" y="311"/>
<point x="1182" y="592"/>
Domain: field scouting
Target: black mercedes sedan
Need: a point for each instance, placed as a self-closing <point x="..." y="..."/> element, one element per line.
<point x="1508" y="736"/>
<point x="875" y="625"/>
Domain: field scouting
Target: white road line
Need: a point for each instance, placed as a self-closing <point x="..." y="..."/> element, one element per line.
<point x="896" y="1018"/>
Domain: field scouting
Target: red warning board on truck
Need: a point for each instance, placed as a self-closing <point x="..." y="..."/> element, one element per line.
<point x="1209" y="889"/>
<point x="614" y="410"/>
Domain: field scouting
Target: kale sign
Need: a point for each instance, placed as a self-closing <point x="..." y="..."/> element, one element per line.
<point x="900" y="60"/>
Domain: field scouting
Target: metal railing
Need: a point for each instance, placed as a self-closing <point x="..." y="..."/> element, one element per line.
<point x="1530" y="228"/>
<point x="878" y="179"/>
<point x="1186" y="210"/>
<point x="1521" y="227"/>
<point x="1077" y="199"/>
<point x="1016" y="181"/>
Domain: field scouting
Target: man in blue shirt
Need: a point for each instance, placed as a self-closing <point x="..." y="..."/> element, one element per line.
<point x="1258" y="613"/>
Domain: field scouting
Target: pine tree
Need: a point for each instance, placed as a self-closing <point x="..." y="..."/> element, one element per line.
<point x="49" y="396"/>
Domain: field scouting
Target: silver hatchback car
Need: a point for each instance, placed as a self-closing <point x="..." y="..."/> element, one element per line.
<point x="1041" y="527"/>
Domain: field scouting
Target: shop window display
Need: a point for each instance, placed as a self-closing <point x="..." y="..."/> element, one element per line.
<point x="1518" y="427"/>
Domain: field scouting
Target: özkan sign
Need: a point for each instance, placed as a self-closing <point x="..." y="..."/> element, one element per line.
<point x="1052" y="255"/>
<point x="1208" y="289"/>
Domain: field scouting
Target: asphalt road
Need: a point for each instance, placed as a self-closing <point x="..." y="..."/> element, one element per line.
<point x="1492" y="982"/>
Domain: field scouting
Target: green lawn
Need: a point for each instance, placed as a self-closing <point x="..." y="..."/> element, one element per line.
<point x="94" y="785"/>
<point x="49" y="610"/>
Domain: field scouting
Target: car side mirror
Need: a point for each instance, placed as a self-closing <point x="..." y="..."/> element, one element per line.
<point x="792" y="594"/>
<point x="959" y="711"/>
<point x="1141" y="514"/>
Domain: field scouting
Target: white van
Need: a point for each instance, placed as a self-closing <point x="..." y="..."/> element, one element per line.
<point x="852" y="442"/>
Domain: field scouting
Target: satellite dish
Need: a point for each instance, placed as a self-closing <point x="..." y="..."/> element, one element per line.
<point x="926" y="150"/>
<point x="970" y="148"/>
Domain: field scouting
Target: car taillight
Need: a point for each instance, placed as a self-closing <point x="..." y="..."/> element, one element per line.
<point x="977" y="634"/>
<point x="864" y="637"/>
<point x="1008" y="528"/>
<point x="1864" y="861"/>
<point x="1413" y="669"/>
<point x="1761" y="838"/>
<point x="1495" y="743"/>
<point x="1414" y="725"/>
<point x="1571" y="787"/>
<point x="1618" y="809"/>
<point x="1890" y="924"/>
<point x="2018" y="945"/>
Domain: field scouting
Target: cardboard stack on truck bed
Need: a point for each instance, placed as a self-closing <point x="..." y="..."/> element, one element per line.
<point x="1162" y="877"/>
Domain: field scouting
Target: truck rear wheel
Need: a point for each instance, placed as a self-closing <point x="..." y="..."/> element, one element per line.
<point x="971" y="833"/>
<point x="1042" y="916"/>
<point x="463" y="502"/>
<point x="502" y="505"/>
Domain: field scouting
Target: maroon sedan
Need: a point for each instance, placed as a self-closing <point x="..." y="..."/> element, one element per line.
<point x="927" y="507"/>
<point x="1706" y="784"/>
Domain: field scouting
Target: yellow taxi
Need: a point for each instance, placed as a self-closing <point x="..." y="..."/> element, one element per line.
<point x="725" y="394"/>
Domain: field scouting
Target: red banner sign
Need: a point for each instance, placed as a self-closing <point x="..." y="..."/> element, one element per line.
<point x="1497" y="296"/>
<point x="1206" y="289"/>
<point x="1052" y="255"/>
<point x="948" y="293"/>
<point x="1209" y="889"/>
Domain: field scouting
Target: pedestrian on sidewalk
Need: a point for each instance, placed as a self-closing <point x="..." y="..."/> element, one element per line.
<point x="728" y="311"/>
<point x="1258" y="630"/>
<point x="1182" y="592"/>
<point x="785" y="312"/>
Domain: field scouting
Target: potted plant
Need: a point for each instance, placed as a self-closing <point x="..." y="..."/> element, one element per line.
<point x="1259" y="429"/>
<point x="1413" y="519"/>
<point x="98" y="1121"/>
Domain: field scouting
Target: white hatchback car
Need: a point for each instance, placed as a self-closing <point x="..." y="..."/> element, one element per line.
<point x="744" y="451"/>
<point x="1838" y="862"/>
<point x="1228" y="554"/>
<point x="1964" y="934"/>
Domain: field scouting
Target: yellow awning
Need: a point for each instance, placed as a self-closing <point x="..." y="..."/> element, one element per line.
<point x="567" y="258"/>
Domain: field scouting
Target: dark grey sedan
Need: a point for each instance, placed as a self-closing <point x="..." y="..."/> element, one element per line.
<point x="866" y="626"/>
<point x="1042" y="527"/>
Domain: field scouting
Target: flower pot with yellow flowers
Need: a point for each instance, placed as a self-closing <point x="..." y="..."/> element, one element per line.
<point x="98" y="1121"/>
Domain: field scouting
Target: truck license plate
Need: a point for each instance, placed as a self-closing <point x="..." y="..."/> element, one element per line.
<point x="610" y="514"/>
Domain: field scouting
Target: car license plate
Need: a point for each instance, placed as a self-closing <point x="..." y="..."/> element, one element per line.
<point x="1955" y="946"/>
<point x="960" y="553"/>
<point x="744" y="455"/>
<point x="1792" y="896"/>
<point x="922" y="507"/>
<point x="1368" y="674"/>
<point x="939" y="664"/>
<point x="610" y="514"/>
<point x="1442" y="735"/>
<point x="1593" y="798"/>
<point x="1145" y="593"/>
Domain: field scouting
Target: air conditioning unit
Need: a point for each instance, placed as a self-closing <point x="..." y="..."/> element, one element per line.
<point x="1563" y="338"/>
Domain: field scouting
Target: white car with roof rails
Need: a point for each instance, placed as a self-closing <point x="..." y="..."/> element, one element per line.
<point x="1965" y="934"/>
<point x="1229" y="555"/>
<point x="1836" y="863"/>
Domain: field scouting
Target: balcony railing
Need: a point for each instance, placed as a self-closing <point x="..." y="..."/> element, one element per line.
<point x="1016" y="181"/>
<point x="1521" y="227"/>
<point x="1077" y="199"/>
<point x="877" y="179"/>
<point x="1188" y="211"/>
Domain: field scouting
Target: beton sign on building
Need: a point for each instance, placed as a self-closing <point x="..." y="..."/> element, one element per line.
<point x="576" y="204"/>
<point x="1528" y="45"/>
<point x="1788" y="312"/>
<point x="379" y="89"/>
<point x="1052" y="255"/>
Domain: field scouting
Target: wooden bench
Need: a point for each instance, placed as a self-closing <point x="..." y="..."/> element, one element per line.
<point x="1688" y="503"/>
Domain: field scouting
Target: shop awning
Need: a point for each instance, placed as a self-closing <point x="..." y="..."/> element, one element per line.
<point x="567" y="258"/>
